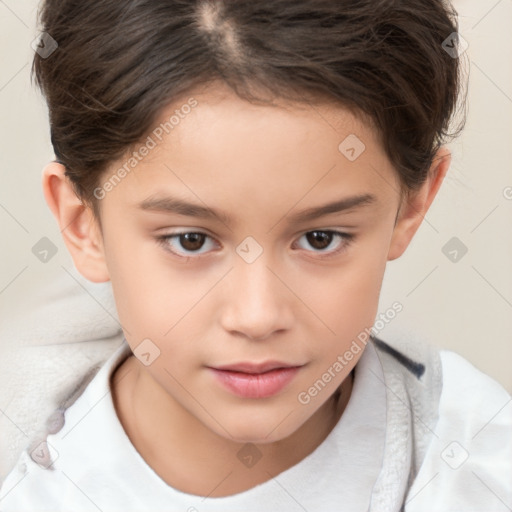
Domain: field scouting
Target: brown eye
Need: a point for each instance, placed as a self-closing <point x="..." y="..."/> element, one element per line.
<point x="191" y="241"/>
<point x="187" y="243"/>
<point x="320" y="240"/>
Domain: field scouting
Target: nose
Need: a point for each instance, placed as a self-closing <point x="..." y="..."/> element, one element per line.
<point x="258" y="304"/>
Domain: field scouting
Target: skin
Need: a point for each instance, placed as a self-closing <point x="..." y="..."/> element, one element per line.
<point x="297" y="302"/>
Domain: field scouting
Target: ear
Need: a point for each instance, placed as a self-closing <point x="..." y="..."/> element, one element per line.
<point x="413" y="208"/>
<point x="79" y="229"/>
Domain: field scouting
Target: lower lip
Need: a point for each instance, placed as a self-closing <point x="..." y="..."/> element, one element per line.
<point x="253" y="385"/>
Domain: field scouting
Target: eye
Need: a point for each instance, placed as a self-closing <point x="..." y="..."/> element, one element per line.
<point x="322" y="239"/>
<point x="185" y="244"/>
<point x="190" y="243"/>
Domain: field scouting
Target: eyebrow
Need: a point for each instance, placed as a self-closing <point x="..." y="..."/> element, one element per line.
<point x="181" y="207"/>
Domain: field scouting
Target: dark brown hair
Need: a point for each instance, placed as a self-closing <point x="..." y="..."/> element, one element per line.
<point x="119" y="63"/>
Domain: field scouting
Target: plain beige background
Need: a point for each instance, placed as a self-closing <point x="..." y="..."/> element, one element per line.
<point x="465" y="306"/>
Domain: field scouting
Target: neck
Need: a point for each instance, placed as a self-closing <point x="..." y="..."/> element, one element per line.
<point x="192" y="458"/>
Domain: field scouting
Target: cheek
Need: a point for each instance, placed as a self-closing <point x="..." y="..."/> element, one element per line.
<point x="160" y="300"/>
<point x="346" y="296"/>
<point x="151" y="294"/>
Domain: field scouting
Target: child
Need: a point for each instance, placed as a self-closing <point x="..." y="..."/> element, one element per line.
<point x="241" y="172"/>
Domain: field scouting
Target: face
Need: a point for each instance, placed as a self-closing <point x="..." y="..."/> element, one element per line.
<point x="250" y="270"/>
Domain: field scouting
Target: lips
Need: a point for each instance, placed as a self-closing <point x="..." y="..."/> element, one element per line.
<point x="254" y="368"/>
<point x="255" y="380"/>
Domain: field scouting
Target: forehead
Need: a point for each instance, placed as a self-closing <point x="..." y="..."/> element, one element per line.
<point x="214" y="144"/>
<point x="219" y="108"/>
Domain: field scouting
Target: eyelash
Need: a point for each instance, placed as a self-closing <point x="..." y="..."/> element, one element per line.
<point x="346" y="240"/>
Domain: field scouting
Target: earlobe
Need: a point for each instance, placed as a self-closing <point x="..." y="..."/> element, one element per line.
<point x="78" y="226"/>
<point x="415" y="207"/>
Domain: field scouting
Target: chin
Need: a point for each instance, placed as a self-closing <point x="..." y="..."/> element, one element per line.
<point x="244" y="437"/>
<point x="247" y="428"/>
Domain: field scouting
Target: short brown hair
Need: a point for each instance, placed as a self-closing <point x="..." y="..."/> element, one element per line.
<point x="118" y="63"/>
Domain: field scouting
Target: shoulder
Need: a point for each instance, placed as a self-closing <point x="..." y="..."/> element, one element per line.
<point x="35" y="488"/>
<point x="460" y="428"/>
<point x="461" y="384"/>
<point x="468" y="465"/>
<point x="57" y="466"/>
<point x="461" y="376"/>
<point x="473" y="400"/>
<point x="412" y="377"/>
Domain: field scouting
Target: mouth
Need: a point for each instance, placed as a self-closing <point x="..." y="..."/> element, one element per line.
<point x="251" y="380"/>
<point x="256" y="368"/>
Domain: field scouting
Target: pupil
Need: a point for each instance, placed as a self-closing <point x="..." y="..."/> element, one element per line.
<point x="322" y="237"/>
<point x="191" y="241"/>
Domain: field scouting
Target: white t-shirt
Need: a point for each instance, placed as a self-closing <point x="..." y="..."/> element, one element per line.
<point x="91" y="465"/>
